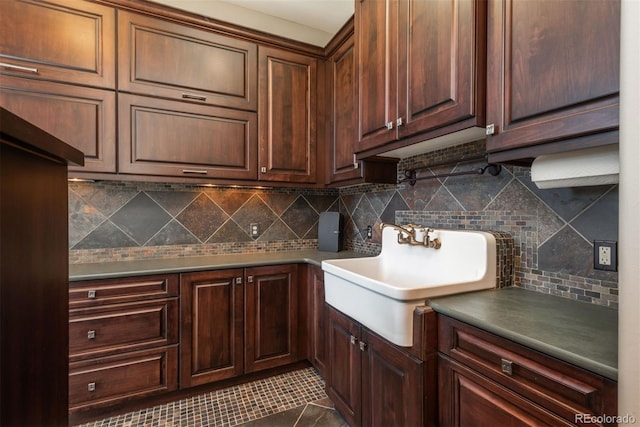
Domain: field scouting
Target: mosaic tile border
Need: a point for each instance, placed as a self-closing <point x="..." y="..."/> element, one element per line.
<point x="231" y="406"/>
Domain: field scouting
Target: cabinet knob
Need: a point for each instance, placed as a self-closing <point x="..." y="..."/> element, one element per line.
<point x="389" y="125"/>
<point x="91" y="294"/>
<point x="490" y="129"/>
<point x="250" y="279"/>
<point x="263" y="169"/>
<point x="354" y="340"/>
<point x="91" y="387"/>
<point x="399" y="121"/>
<point x="91" y="335"/>
<point x="238" y="280"/>
<point x="363" y="345"/>
<point x="506" y="366"/>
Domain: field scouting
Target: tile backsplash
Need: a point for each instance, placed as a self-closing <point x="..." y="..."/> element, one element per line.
<point x="553" y="230"/>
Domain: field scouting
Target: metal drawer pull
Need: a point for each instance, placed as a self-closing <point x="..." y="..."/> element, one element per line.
<point x="389" y="125"/>
<point x="19" y="68"/>
<point x="354" y="340"/>
<point x="250" y="279"/>
<point x="363" y="345"/>
<point x="91" y="335"/>
<point x="506" y="366"/>
<point x="194" y="97"/>
<point x="91" y="387"/>
<point x="91" y="294"/>
<point x="196" y="171"/>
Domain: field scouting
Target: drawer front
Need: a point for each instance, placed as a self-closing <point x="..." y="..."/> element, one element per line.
<point x="560" y="387"/>
<point x="124" y="327"/>
<point x="110" y="291"/>
<point x="109" y="379"/>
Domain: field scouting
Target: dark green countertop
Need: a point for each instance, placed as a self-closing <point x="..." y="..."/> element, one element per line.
<point x="583" y="334"/>
<point x="109" y="270"/>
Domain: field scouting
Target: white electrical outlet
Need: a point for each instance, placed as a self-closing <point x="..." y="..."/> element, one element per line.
<point x="604" y="255"/>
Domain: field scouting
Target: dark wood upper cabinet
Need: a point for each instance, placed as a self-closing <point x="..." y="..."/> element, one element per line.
<point x="175" y="61"/>
<point x="420" y="70"/>
<point x="287" y="114"/>
<point x="65" y="40"/>
<point x="173" y="138"/>
<point x="84" y="117"/>
<point x="553" y="71"/>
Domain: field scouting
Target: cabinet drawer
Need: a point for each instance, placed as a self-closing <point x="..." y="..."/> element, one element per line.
<point x="123" y="327"/>
<point x="109" y="291"/>
<point x="560" y="387"/>
<point x="169" y="60"/>
<point x="104" y="381"/>
<point x="63" y="40"/>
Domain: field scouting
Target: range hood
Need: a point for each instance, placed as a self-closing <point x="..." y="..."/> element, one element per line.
<point x="578" y="168"/>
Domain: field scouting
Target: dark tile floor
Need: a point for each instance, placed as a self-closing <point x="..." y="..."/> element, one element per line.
<point x="293" y="399"/>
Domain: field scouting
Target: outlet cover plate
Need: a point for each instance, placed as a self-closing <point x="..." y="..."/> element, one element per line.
<point x="613" y="255"/>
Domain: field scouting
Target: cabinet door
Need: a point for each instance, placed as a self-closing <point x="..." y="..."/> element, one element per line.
<point x="83" y="117"/>
<point x="271" y="317"/>
<point x="63" y="40"/>
<point x="173" y="138"/>
<point x="343" y="119"/>
<point x="469" y="399"/>
<point x="160" y="58"/>
<point x="441" y="66"/>
<point x="376" y="59"/>
<point x="318" y="318"/>
<point x="550" y="76"/>
<point x="211" y="305"/>
<point x="287" y="114"/>
<point x="343" y="378"/>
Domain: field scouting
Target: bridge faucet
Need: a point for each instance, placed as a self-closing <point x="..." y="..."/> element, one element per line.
<point x="409" y="230"/>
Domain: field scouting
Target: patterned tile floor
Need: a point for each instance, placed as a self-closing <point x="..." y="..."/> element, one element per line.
<point x="293" y="399"/>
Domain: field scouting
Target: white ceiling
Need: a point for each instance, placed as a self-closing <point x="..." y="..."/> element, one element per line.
<point x="310" y="21"/>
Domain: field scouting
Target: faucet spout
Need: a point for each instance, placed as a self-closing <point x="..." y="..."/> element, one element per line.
<point x="409" y="230"/>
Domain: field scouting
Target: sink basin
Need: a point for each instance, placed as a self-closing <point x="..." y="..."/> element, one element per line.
<point x="381" y="292"/>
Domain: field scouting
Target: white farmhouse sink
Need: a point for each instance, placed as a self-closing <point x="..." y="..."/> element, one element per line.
<point x="381" y="292"/>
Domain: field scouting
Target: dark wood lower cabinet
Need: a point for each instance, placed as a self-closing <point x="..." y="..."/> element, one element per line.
<point x="486" y="380"/>
<point x="271" y="317"/>
<point x="371" y="381"/>
<point x="211" y="323"/>
<point x="318" y="319"/>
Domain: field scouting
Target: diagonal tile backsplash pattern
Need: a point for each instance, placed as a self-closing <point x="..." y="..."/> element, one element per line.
<point x="553" y="230"/>
<point x="110" y="215"/>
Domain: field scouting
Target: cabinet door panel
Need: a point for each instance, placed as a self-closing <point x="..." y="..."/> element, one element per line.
<point x="85" y="118"/>
<point x="392" y="386"/>
<point x="67" y="41"/>
<point x="163" y="137"/>
<point x="550" y="76"/>
<point x="343" y="380"/>
<point x="375" y="23"/>
<point x="441" y="46"/>
<point x="319" y="319"/>
<point x="212" y="327"/>
<point x="164" y="59"/>
<point x="287" y="115"/>
<point x="271" y="317"/>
